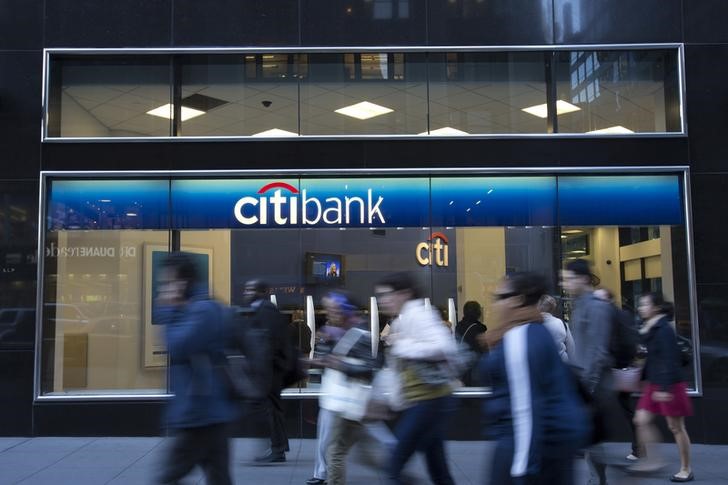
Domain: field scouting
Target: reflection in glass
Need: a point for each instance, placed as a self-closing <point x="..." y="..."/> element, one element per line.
<point x="618" y="92"/>
<point x="391" y="86"/>
<point x="109" y="97"/>
<point x="486" y="92"/>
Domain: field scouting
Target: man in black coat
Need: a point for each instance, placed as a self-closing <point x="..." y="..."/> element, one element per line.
<point x="264" y="315"/>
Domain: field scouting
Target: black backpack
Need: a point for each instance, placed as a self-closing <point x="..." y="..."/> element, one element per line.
<point x="625" y="338"/>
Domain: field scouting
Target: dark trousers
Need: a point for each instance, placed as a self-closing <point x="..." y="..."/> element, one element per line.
<point x="552" y="470"/>
<point x="625" y="403"/>
<point x="422" y="428"/>
<point x="206" y="446"/>
<point x="276" y="421"/>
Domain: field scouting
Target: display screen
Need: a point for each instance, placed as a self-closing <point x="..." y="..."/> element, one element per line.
<point x="324" y="268"/>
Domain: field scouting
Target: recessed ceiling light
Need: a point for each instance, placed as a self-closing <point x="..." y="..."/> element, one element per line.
<point x="540" y="110"/>
<point x="612" y="130"/>
<point x="446" y="131"/>
<point x="364" y="110"/>
<point x="166" y="112"/>
<point x="572" y="231"/>
<point x="275" y="132"/>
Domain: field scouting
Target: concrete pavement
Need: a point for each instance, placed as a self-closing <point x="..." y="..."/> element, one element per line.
<point x="87" y="461"/>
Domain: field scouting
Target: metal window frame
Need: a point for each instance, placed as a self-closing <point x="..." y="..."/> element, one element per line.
<point x="50" y="52"/>
<point x="473" y="392"/>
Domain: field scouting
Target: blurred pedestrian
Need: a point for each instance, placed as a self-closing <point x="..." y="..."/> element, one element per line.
<point x="264" y="315"/>
<point x="556" y="327"/>
<point x="420" y="348"/>
<point x="592" y="328"/>
<point x="535" y="413"/>
<point x="624" y="359"/>
<point x="665" y="390"/>
<point x="197" y="330"/>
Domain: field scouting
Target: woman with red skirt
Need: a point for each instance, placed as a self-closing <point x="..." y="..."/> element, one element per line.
<point x="664" y="392"/>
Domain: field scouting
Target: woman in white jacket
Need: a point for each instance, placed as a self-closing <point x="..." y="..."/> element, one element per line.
<point x="420" y="346"/>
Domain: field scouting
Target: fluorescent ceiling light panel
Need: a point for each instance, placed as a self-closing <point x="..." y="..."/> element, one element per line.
<point x="275" y="132"/>
<point x="612" y="130"/>
<point x="562" y="107"/>
<point x="364" y="110"/>
<point x="166" y="112"/>
<point x="446" y="131"/>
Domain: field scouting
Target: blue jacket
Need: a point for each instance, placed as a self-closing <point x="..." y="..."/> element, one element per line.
<point x="535" y="401"/>
<point x="196" y="336"/>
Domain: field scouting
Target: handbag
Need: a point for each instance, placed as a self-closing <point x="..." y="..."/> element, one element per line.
<point x="627" y="379"/>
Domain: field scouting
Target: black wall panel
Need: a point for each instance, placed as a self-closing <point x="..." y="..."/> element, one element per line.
<point x="235" y="23"/>
<point x="617" y="21"/>
<point x="16" y="393"/>
<point x="20" y="113"/>
<point x="105" y="156"/>
<point x="495" y="22"/>
<point x="21" y="24"/>
<point x="704" y="21"/>
<point x="118" y="23"/>
<point x="710" y="233"/>
<point x="98" y="419"/>
<point x="706" y="102"/>
<point x="362" y="22"/>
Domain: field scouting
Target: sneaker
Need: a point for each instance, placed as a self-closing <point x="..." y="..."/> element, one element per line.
<point x="632" y="457"/>
<point x="316" y="481"/>
<point x="271" y="457"/>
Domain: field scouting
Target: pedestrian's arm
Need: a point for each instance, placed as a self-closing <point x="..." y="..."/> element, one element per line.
<point x="599" y="339"/>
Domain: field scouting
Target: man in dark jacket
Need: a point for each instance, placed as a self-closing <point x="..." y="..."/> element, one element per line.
<point x="197" y="329"/>
<point x="592" y="327"/>
<point x="265" y="315"/>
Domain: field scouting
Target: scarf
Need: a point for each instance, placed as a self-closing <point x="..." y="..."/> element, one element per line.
<point x="514" y="318"/>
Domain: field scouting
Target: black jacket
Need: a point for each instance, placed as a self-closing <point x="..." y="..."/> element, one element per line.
<point x="663" y="356"/>
<point x="266" y="316"/>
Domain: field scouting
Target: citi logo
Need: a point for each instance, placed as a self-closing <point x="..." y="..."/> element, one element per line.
<point x="251" y="210"/>
<point x="433" y="251"/>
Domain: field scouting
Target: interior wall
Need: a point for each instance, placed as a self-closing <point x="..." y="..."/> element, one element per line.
<point x="481" y="263"/>
<point x="605" y="258"/>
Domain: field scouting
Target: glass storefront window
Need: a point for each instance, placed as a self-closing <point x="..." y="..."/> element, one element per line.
<point x="618" y="92"/>
<point x="110" y="97"/>
<point x="318" y="93"/>
<point x="486" y="92"/>
<point x="457" y="236"/>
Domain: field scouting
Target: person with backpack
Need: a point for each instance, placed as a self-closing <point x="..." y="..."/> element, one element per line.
<point x="535" y="413"/>
<point x="592" y="328"/>
<point x="624" y="350"/>
<point x="665" y="390"/>
<point x="263" y="316"/>
<point x="468" y="331"/>
<point x="197" y="329"/>
<point x="556" y="327"/>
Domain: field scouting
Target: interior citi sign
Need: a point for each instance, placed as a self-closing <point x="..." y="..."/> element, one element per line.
<point x="251" y="210"/>
<point x="433" y="251"/>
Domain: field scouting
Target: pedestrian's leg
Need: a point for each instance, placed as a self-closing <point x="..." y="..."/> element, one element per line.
<point x="434" y="442"/>
<point x="344" y="434"/>
<point x="409" y="428"/>
<point x="276" y="422"/>
<point x="216" y="463"/>
<point x="556" y="471"/>
<point x="648" y="435"/>
<point x="182" y="456"/>
<point x="594" y="457"/>
<point x="677" y="426"/>
<point x="625" y="403"/>
<point x="323" y="432"/>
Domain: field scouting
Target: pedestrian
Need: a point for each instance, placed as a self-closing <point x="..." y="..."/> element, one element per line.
<point x="264" y="315"/>
<point x="420" y="346"/>
<point x="535" y="414"/>
<point x="351" y="366"/>
<point x="592" y="327"/>
<point x="625" y="359"/>
<point x="556" y="327"/>
<point x="468" y="331"/>
<point x="665" y="391"/>
<point x="197" y="329"/>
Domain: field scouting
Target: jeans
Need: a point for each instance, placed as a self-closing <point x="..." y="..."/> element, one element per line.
<point x="422" y="428"/>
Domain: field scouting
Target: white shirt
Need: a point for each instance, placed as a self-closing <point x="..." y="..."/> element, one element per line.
<point x="561" y="334"/>
<point x="418" y="333"/>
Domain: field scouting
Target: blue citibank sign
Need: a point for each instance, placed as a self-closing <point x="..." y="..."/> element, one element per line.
<point x="415" y="201"/>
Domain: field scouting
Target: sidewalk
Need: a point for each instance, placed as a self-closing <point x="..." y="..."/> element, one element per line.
<point x="86" y="461"/>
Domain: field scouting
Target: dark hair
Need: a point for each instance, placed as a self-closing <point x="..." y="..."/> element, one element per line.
<point x="579" y="267"/>
<point x="260" y="287"/>
<point x="472" y="311"/>
<point x="531" y="286"/>
<point x="401" y="281"/>
<point x="658" y="300"/>
<point x="184" y="269"/>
